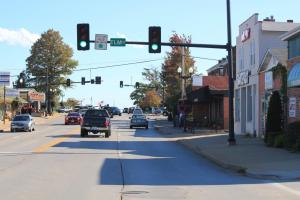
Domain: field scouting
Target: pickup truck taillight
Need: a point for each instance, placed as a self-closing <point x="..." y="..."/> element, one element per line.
<point x="106" y="123"/>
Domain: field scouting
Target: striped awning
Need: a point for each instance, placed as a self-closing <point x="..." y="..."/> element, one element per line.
<point x="294" y="76"/>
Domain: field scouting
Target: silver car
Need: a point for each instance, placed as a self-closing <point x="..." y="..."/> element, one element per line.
<point x="138" y="121"/>
<point x="22" y="122"/>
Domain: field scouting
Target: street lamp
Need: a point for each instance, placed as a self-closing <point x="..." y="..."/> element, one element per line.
<point x="182" y="75"/>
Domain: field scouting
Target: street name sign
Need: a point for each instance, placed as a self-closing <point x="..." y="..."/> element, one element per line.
<point x="117" y="42"/>
<point x="4" y="78"/>
<point x="101" y="41"/>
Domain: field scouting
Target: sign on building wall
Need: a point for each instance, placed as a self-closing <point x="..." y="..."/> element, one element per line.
<point x="197" y="80"/>
<point x="242" y="78"/>
<point x="245" y="35"/>
<point x="292" y="106"/>
<point x="268" y="80"/>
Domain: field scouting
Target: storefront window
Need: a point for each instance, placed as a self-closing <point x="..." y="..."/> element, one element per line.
<point x="293" y="47"/>
<point x="249" y="103"/>
<point x="237" y="105"/>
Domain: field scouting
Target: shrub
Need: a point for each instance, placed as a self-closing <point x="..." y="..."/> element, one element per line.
<point x="279" y="141"/>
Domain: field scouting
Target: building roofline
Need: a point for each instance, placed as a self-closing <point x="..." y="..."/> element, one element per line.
<point x="292" y="33"/>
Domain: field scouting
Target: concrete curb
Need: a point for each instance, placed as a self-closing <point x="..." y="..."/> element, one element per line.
<point x="235" y="168"/>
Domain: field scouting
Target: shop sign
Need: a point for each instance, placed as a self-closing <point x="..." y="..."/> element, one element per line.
<point x="197" y="80"/>
<point x="36" y="96"/>
<point x="242" y="78"/>
<point x="292" y="106"/>
<point x="245" y="35"/>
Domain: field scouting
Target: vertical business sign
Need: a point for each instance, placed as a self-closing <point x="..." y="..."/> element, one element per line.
<point x="4" y="78"/>
<point x="292" y="106"/>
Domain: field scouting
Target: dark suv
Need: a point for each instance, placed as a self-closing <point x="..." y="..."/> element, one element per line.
<point x="96" y="121"/>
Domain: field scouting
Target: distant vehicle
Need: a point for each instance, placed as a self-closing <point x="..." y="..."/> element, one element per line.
<point x="22" y="122"/>
<point x="64" y="110"/>
<point x="165" y="112"/>
<point x="138" y="121"/>
<point x="82" y="111"/>
<point x="73" y="118"/>
<point x="96" y="121"/>
<point x="116" y="111"/>
<point x="130" y="110"/>
<point x="125" y="110"/>
<point x="77" y="108"/>
<point x="137" y="111"/>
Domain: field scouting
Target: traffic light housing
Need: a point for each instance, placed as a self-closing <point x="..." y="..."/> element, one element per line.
<point x="154" y="39"/>
<point x="121" y="84"/>
<point x="92" y="81"/>
<point x="82" y="80"/>
<point x="68" y="82"/>
<point x="137" y="85"/>
<point x="83" y="37"/>
<point x="98" y="79"/>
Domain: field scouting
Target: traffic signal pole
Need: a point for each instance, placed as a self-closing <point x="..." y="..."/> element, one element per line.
<point x="228" y="47"/>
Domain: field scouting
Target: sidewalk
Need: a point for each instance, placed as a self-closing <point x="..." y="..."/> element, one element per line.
<point x="38" y="120"/>
<point x="249" y="157"/>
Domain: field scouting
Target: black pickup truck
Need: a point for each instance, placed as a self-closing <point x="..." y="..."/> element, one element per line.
<point x="96" y="121"/>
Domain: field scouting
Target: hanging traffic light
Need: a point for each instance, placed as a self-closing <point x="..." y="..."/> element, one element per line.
<point x="92" y="81"/>
<point x="121" y="84"/>
<point x="98" y="79"/>
<point x="82" y="80"/>
<point x="68" y="82"/>
<point x="137" y="85"/>
<point x="154" y="39"/>
<point x="83" y="37"/>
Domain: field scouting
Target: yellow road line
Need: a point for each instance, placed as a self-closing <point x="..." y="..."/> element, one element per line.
<point x="45" y="147"/>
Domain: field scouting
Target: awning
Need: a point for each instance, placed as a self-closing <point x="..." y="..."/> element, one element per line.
<point x="294" y="76"/>
<point x="199" y="95"/>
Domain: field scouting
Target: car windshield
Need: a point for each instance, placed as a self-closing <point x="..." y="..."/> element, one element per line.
<point x="101" y="113"/>
<point x="138" y="116"/>
<point x="21" y="118"/>
<point x="74" y="114"/>
<point x="137" y="111"/>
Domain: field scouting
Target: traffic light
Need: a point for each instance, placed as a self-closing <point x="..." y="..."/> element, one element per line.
<point x="82" y="80"/>
<point x="121" y="84"/>
<point x="137" y="85"/>
<point x="83" y="37"/>
<point x="92" y="81"/>
<point x="98" y="79"/>
<point x="154" y="39"/>
<point x="68" y="82"/>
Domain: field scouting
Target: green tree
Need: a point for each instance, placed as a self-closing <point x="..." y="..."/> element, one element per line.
<point x="50" y="58"/>
<point x="139" y="94"/>
<point x="169" y="75"/>
<point x="72" y="102"/>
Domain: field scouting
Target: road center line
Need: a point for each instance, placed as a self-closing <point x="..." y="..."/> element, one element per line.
<point x="45" y="147"/>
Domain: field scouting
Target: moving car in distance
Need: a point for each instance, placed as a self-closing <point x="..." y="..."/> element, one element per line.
<point x="125" y="110"/>
<point x="137" y="111"/>
<point x="22" y="122"/>
<point x="73" y="118"/>
<point x="138" y="121"/>
<point x="96" y="121"/>
<point x="116" y="111"/>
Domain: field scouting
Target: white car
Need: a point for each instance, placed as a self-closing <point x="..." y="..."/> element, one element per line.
<point x="22" y="122"/>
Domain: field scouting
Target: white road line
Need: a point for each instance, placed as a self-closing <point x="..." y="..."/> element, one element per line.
<point x="287" y="189"/>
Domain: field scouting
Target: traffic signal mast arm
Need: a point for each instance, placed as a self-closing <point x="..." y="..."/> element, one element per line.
<point x="212" y="46"/>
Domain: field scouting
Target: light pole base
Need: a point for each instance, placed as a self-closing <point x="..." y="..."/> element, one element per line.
<point x="231" y="142"/>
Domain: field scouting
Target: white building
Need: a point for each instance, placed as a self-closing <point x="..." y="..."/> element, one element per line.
<point x="254" y="39"/>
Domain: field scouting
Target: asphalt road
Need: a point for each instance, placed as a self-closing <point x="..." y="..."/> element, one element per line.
<point x="54" y="162"/>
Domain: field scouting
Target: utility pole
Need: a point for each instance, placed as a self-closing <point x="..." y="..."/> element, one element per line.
<point x="4" y="102"/>
<point x="183" y="73"/>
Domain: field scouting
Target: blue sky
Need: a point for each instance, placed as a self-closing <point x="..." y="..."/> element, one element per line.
<point x="23" y="21"/>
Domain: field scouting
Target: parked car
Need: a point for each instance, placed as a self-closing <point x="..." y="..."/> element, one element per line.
<point x="73" y="118"/>
<point x="22" y="122"/>
<point x="96" y="121"/>
<point x="116" y="111"/>
<point x="64" y="109"/>
<point x="125" y="110"/>
<point x="138" y="121"/>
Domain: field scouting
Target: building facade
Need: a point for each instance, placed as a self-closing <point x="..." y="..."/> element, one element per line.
<point x="254" y="39"/>
<point x="293" y="79"/>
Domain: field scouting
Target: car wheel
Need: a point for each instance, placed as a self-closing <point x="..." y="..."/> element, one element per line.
<point x="83" y="133"/>
<point x="107" y="134"/>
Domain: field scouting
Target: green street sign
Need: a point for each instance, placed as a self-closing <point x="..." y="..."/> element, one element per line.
<point x="117" y="42"/>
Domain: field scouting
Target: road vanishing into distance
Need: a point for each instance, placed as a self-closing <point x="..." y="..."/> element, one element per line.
<point x="55" y="163"/>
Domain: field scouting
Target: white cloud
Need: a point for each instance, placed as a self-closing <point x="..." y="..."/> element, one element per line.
<point x="121" y="35"/>
<point x="18" y="37"/>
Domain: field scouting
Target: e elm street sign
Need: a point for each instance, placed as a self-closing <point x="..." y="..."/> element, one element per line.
<point x="117" y="42"/>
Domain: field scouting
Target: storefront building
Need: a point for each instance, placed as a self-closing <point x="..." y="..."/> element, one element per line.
<point x="293" y="79"/>
<point x="254" y="40"/>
